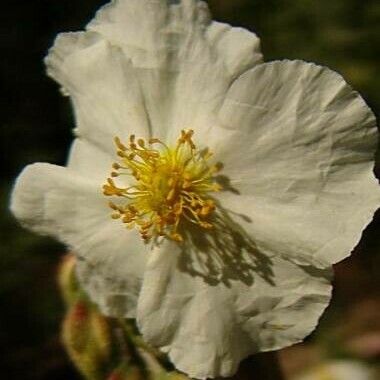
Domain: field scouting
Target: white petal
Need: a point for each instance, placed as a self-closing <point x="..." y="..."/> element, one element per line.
<point x="150" y="67"/>
<point x="298" y="145"/>
<point x="207" y="327"/>
<point x="103" y="87"/>
<point x="89" y="161"/>
<point x="56" y="201"/>
<point x="239" y="47"/>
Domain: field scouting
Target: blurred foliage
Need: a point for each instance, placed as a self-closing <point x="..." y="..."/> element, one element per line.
<point x="36" y="122"/>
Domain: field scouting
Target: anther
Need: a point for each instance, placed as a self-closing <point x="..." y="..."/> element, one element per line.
<point x="206" y="225"/>
<point x="218" y="167"/>
<point x="119" y="144"/>
<point x="113" y="206"/>
<point x="141" y="143"/>
<point x="170" y="197"/>
<point x="177" y="237"/>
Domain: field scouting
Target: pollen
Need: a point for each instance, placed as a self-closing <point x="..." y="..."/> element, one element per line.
<point x="169" y="187"/>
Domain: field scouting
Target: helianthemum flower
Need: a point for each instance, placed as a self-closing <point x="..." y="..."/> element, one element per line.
<point x="206" y="193"/>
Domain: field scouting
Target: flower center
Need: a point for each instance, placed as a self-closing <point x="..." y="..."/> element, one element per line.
<point x="171" y="185"/>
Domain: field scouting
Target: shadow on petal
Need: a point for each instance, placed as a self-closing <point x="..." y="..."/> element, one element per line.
<point x="224" y="253"/>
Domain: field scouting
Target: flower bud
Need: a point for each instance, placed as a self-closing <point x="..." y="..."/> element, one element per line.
<point x="66" y="279"/>
<point x="87" y="338"/>
<point x="172" y="376"/>
<point x="116" y="375"/>
<point x="76" y="327"/>
<point x="135" y="373"/>
<point x="127" y="373"/>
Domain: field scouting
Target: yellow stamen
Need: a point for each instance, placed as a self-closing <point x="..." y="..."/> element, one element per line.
<point x="171" y="186"/>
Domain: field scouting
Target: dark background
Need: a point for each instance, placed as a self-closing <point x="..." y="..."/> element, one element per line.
<point x="36" y="122"/>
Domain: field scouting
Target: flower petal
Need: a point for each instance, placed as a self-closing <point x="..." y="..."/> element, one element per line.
<point x="89" y="161"/>
<point x="149" y="32"/>
<point x="298" y="146"/>
<point x="208" y="329"/>
<point x="103" y="87"/>
<point x="239" y="48"/>
<point x="149" y="67"/>
<point x="56" y="201"/>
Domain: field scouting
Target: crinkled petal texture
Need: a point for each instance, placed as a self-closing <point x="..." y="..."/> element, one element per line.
<point x="208" y="329"/>
<point x="144" y="67"/>
<point x="59" y="202"/>
<point x="149" y="68"/>
<point x="300" y="156"/>
<point x="298" y="148"/>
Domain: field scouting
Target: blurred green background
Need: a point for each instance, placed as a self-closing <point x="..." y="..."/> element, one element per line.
<point x="35" y="126"/>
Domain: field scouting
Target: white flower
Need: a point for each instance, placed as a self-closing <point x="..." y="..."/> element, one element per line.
<point x="297" y="146"/>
